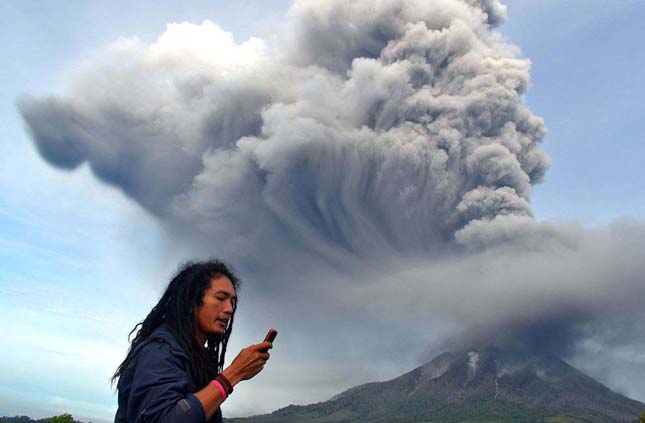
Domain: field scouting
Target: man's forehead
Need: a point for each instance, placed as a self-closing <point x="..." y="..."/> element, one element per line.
<point x="222" y="284"/>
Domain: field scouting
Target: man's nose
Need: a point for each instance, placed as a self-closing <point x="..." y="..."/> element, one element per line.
<point x="228" y="308"/>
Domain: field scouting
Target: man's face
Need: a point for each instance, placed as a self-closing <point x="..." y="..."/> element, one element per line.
<point x="212" y="317"/>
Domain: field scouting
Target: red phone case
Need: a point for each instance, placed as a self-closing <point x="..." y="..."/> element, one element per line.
<point x="271" y="335"/>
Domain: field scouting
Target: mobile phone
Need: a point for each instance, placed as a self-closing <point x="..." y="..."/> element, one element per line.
<point x="270" y="335"/>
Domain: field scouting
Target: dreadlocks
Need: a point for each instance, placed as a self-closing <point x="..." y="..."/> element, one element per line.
<point x="176" y="307"/>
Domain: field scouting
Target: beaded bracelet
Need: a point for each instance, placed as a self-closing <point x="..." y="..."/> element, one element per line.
<point x="226" y="383"/>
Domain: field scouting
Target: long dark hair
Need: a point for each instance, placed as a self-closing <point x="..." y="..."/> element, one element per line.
<point x="176" y="307"/>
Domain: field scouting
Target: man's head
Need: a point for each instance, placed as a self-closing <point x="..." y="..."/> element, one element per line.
<point x="198" y="299"/>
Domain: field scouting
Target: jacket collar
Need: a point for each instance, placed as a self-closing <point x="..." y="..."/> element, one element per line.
<point x="163" y="334"/>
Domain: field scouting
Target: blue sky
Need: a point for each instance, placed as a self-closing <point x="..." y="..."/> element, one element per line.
<point x="80" y="263"/>
<point x="587" y="85"/>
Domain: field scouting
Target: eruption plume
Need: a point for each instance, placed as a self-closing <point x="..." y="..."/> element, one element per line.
<point x="391" y="124"/>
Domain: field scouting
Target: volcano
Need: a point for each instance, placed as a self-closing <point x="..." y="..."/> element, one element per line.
<point x="483" y="385"/>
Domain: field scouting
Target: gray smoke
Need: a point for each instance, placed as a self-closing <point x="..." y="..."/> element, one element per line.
<point x="387" y="140"/>
<point x="387" y="124"/>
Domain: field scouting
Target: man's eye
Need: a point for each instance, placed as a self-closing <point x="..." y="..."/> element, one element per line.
<point x="221" y="298"/>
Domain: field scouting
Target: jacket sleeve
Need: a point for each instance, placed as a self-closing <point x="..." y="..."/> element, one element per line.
<point x="160" y="391"/>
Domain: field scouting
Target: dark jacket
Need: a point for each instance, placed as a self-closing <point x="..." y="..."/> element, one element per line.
<point x="156" y="387"/>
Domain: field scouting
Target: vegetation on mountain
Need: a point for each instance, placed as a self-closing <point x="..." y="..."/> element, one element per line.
<point x="63" y="418"/>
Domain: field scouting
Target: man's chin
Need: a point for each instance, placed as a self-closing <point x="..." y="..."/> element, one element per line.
<point x="217" y="335"/>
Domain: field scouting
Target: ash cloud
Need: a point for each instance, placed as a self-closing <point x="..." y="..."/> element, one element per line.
<point x="392" y="125"/>
<point x="377" y="157"/>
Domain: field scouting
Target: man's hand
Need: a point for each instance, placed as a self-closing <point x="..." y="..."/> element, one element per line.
<point x="248" y="363"/>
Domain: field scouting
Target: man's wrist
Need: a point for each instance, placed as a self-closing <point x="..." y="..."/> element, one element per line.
<point x="232" y="376"/>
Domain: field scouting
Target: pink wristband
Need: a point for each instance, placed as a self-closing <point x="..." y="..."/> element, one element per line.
<point x="220" y="387"/>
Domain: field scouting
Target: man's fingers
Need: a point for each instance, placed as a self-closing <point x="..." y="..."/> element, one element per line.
<point x="263" y="346"/>
<point x="266" y="345"/>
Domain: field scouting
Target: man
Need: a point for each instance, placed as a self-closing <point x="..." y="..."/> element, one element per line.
<point x="174" y="369"/>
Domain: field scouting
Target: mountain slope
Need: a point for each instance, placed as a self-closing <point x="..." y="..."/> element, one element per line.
<point x="484" y="385"/>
